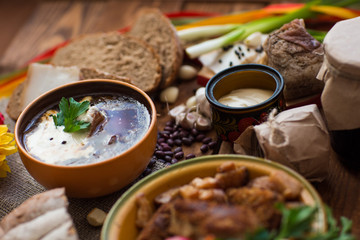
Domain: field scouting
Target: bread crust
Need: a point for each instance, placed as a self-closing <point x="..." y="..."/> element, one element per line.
<point x="146" y="32"/>
<point x="123" y="57"/>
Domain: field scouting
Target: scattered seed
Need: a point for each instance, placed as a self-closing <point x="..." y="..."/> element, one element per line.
<point x="204" y="148"/>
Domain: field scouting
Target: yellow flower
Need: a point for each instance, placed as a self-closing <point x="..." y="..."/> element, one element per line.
<point x="7" y="147"/>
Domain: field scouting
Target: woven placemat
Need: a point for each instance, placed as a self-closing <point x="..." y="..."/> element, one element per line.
<point x="19" y="186"/>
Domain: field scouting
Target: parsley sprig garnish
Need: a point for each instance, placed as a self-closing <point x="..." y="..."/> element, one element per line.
<point x="297" y="223"/>
<point x="70" y="110"/>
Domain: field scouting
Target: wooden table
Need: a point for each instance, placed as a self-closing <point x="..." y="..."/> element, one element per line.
<point x="28" y="28"/>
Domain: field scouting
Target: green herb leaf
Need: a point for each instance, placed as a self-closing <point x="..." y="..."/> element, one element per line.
<point x="296" y="222"/>
<point x="69" y="111"/>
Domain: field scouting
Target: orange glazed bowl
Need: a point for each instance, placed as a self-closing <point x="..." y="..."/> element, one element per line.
<point x="90" y="179"/>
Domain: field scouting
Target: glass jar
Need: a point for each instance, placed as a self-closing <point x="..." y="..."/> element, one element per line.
<point x="341" y="95"/>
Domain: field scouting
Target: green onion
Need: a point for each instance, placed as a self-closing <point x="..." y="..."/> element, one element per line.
<point x="264" y="25"/>
<point x="318" y="35"/>
<point x="213" y="44"/>
<point x="196" y="33"/>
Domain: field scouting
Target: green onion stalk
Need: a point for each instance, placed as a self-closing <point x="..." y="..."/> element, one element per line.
<point x="238" y="32"/>
<point x="264" y="25"/>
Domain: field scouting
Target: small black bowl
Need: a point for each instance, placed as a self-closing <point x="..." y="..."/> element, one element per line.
<point x="230" y="122"/>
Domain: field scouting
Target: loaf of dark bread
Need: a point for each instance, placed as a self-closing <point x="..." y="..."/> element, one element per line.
<point x="156" y="29"/>
<point x="113" y="54"/>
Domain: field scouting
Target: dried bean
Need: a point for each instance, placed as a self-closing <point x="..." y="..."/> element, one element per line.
<point x="179" y="155"/>
<point x="166" y="148"/>
<point x="186" y="141"/>
<point x="167" y="158"/>
<point x="169" y="153"/>
<point x="194" y="132"/>
<point x="166" y="136"/>
<point x="190" y="155"/>
<point x="173" y="161"/>
<point x="178" y="142"/>
<point x="161" y="140"/>
<point x="212" y="144"/>
<point x="184" y="133"/>
<point x="200" y="137"/>
<point x="170" y="123"/>
<point x="178" y="149"/>
<point x="207" y="140"/>
<point x="164" y="132"/>
<point x="204" y="148"/>
<point x="159" y="154"/>
<point x="164" y="145"/>
<point x="170" y="142"/>
<point x="169" y="129"/>
<point x="152" y="162"/>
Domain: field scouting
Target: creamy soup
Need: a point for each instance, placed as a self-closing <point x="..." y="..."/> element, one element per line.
<point x="117" y="123"/>
<point x="245" y="97"/>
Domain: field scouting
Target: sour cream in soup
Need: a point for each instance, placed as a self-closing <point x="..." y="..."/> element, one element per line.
<point x="117" y="124"/>
<point x="245" y="97"/>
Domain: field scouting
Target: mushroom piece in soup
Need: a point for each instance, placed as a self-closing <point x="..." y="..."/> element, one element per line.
<point x="116" y="124"/>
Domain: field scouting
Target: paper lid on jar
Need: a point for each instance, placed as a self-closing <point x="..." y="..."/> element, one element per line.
<point x="342" y="46"/>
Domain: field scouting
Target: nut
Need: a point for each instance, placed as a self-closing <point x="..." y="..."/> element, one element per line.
<point x="96" y="217"/>
<point x="187" y="72"/>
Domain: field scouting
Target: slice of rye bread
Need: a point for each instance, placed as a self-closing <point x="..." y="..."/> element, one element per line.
<point x="157" y="30"/>
<point x="115" y="54"/>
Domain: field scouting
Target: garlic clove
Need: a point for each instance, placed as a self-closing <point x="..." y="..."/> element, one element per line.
<point x="169" y="95"/>
<point x="180" y="118"/>
<point x="187" y="72"/>
<point x="177" y="110"/>
<point x="191" y="102"/>
<point x="203" y="124"/>
<point x="200" y="94"/>
<point x="189" y="120"/>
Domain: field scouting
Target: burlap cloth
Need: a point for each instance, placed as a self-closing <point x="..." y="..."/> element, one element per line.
<point x="19" y="186"/>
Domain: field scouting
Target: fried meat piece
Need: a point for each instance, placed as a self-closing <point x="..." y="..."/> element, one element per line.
<point x="156" y="228"/>
<point x="196" y="219"/>
<point x="144" y="210"/>
<point x="289" y="187"/>
<point x="167" y="196"/>
<point x="214" y="195"/>
<point x="261" y="201"/>
<point x="204" y="183"/>
<point x="228" y="175"/>
<point x="97" y="123"/>
<point x="264" y="182"/>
